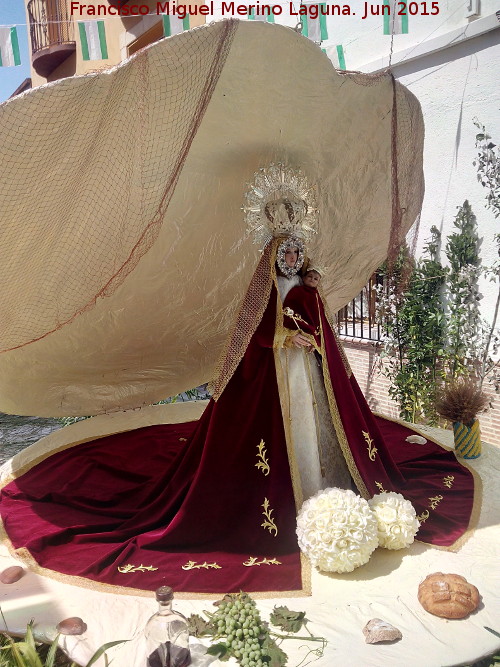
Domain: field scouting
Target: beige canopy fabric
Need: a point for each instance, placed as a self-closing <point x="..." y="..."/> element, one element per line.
<point x="124" y="252"/>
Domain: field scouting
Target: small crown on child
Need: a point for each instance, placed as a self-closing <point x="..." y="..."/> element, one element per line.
<point x="312" y="266"/>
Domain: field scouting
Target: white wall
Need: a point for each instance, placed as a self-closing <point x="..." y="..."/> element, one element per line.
<point x="455" y="86"/>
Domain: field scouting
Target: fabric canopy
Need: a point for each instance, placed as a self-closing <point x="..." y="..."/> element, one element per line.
<point x="124" y="249"/>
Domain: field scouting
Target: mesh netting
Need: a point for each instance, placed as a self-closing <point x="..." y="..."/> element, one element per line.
<point x="150" y="161"/>
<point x="247" y="320"/>
<point x="406" y="132"/>
<point x="101" y="230"/>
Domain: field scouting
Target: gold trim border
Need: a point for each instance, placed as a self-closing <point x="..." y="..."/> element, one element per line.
<point x="25" y="557"/>
<point x="336" y="419"/>
<point x="153" y="415"/>
<point x="19" y="472"/>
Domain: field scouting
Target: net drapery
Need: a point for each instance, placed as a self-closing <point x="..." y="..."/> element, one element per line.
<point x="124" y="251"/>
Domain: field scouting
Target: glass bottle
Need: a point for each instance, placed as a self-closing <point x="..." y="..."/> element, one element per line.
<point x="167" y="634"/>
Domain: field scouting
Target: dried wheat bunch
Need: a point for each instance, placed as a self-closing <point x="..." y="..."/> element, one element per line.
<point x="461" y="401"/>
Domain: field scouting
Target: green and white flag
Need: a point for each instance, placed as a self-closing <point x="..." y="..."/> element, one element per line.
<point x="93" y="40"/>
<point x="261" y="17"/>
<point x="9" y="47"/>
<point x="336" y="55"/>
<point x="395" y="23"/>
<point x="173" y="25"/>
<point x="316" y="28"/>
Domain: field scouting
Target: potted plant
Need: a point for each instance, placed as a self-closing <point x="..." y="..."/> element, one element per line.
<point x="460" y="401"/>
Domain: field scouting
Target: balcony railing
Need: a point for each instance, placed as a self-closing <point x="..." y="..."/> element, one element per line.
<point x="358" y="318"/>
<point x="51" y="33"/>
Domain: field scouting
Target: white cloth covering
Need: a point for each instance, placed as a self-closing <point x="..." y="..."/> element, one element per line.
<point x="338" y="609"/>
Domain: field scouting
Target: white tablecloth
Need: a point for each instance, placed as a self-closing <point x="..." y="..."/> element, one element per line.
<point x="338" y="609"/>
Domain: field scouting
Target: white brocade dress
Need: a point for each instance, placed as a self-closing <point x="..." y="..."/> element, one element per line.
<point x="319" y="458"/>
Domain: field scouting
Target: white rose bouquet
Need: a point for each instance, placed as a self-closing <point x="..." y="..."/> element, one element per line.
<point x="337" y="530"/>
<point x="397" y="520"/>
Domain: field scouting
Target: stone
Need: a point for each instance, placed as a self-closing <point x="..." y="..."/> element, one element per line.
<point x="11" y="574"/>
<point x="416" y="439"/>
<point x="377" y="630"/>
<point x="72" y="626"/>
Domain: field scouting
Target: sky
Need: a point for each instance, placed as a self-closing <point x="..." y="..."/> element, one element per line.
<point x="12" y="12"/>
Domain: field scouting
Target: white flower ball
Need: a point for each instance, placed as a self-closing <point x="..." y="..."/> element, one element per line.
<point x="337" y="530"/>
<point x="396" y="518"/>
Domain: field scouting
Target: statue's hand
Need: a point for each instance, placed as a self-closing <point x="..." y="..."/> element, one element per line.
<point x="299" y="340"/>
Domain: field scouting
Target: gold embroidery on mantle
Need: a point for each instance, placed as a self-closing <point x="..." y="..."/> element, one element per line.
<point x="448" y="481"/>
<point x="434" y="501"/>
<point x="192" y="565"/>
<point x="423" y="517"/>
<point x="372" y="451"/>
<point x="125" y="569"/>
<point x="263" y="464"/>
<point x="380" y="487"/>
<point x="269" y="521"/>
<point x="253" y="560"/>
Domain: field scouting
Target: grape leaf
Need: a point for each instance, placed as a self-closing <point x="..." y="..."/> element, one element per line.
<point x="287" y="620"/>
<point x="227" y="598"/>
<point x="271" y="650"/>
<point x="220" y="650"/>
<point x="199" y="627"/>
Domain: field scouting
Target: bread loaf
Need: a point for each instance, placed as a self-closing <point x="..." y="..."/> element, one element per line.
<point x="448" y="595"/>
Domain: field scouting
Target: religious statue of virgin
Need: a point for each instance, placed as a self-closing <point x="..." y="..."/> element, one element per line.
<point x="220" y="495"/>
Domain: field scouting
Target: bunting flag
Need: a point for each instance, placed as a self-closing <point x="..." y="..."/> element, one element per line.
<point x="9" y="47"/>
<point x="394" y="22"/>
<point x="336" y="55"/>
<point x="261" y="17"/>
<point x="316" y="28"/>
<point x="173" y="25"/>
<point x="93" y="40"/>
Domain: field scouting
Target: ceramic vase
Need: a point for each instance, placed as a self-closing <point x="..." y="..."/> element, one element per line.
<point x="467" y="439"/>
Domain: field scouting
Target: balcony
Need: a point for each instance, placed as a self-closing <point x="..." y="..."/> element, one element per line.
<point x="51" y="33"/>
<point x="358" y="319"/>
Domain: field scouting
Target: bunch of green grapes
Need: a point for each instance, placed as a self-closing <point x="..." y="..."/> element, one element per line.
<point x="238" y="619"/>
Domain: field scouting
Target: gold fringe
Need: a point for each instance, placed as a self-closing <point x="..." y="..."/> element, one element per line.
<point x="478" y="487"/>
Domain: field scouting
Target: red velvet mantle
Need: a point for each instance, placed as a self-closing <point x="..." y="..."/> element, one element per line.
<point x="195" y="505"/>
<point x="439" y="487"/>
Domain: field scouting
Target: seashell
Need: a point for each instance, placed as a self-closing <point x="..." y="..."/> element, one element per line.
<point x="11" y="574"/>
<point x="416" y="439"/>
<point x="72" y="626"/>
<point x="377" y="630"/>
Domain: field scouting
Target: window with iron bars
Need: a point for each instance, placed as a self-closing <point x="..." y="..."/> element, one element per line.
<point x="358" y="318"/>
